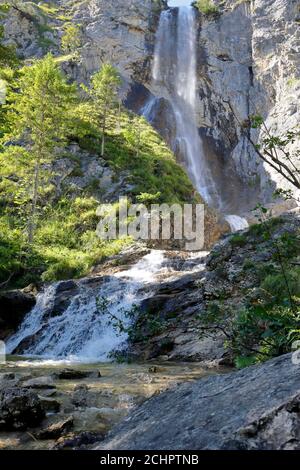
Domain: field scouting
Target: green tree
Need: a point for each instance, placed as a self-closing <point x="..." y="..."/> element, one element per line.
<point x="70" y="41"/>
<point x="274" y="150"/>
<point x="37" y="116"/>
<point x="105" y="85"/>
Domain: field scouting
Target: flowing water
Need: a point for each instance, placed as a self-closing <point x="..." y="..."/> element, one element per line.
<point x="95" y="324"/>
<point x="174" y="75"/>
<point x="95" y="404"/>
<point x="174" y="78"/>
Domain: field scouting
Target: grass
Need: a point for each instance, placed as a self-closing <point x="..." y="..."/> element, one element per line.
<point x="66" y="245"/>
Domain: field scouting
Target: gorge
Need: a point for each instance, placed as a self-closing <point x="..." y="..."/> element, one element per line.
<point x="150" y="316"/>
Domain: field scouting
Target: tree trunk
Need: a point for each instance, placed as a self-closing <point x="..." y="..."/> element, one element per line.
<point x="103" y="135"/>
<point x="36" y="182"/>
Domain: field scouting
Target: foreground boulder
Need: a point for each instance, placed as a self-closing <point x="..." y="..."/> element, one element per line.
<point x="255" y="408"/>
<point x="19" y="409"/>
<point x="40" y="383"/>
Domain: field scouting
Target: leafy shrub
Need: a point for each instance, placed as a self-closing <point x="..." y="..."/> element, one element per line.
<point x="207" y="7"/>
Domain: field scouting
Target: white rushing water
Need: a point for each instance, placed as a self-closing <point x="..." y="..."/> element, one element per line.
<point x="174" y="77"/>
<point x="236" y="222"/>
<point x="89" y="328"/>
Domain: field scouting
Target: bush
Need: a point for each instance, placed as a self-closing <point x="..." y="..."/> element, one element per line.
<point x="206" y="7"/>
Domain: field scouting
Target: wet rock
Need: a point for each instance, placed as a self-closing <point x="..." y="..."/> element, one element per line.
<point x="48" y="393"/>
<point x="80" y="395"/>
<point x="19" y="409"/>
<point x="14" y="305"/>
<point x="75" y="374"/>
<point x="255" y="408"/>
<point x="7" y="376"/>
<point x="49" y="404"/>
<point x="40" y="383"/>
<point x="79" y="441"/>
<point x="56" y="430"/>
<point x="65" y="291"/>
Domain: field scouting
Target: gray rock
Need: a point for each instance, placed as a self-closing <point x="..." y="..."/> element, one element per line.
<point x="19" y="409"/>
<point x="50" y="405"/>
<point x="7" y="376"/>
<point x="56" y="430"/>
<point x="255" y="408"/>
<point x="40" y="383"/>
<point x="76" y="374"/>
<point x="79" y="441"/>
<point x="14" y="305"/>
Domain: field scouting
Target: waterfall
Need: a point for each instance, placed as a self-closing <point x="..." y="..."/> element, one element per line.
<point x="89" y="327"/>
<point x="174" y="74"/>
<point x="236" y="222"/>
<point x="174" y="78"/>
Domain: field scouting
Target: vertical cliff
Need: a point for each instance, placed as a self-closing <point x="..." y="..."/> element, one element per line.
<point x="248" y="64"/>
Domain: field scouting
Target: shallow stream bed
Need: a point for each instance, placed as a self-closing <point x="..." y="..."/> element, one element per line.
<point x="94" y="403"/>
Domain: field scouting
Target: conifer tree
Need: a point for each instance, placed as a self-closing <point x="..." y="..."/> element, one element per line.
<point x="103" y="91"/>
<point x="37" y="116"/>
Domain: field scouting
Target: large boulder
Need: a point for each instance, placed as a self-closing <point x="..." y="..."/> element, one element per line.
<point x="255" y="408"/>
<point x="14" y="305"/>
<point x="20" y="408"/>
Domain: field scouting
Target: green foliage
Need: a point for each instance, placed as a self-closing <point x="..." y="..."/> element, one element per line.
<point x="103" y="93"/>
<point x="148" y="198"/>
<point x="244" y="361"/>
<point x="207" y="7"/>
<point x="70" y="41"/>
<point x="238" y="239"/>
<point x="268" y="322"/>
<point x="275" y="150"/>
<point x="37" y="115"/>
<point x="153" y="171"/>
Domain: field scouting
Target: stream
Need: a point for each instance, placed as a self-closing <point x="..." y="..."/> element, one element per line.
<point x="95" y="404"/>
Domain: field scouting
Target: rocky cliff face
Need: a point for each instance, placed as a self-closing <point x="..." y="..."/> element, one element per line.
<point x="249" y="64"/>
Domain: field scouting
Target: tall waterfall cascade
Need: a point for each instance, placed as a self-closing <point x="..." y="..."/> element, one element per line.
<point x="174" y="78"/>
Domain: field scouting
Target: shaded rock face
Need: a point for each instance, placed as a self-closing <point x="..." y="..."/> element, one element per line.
<point x="13" y="307"/>
<point x="249" y="64"/>
<point x="118" y="32"/>
<point x="173" y="320"/>
<point x="19" y="409"/>
<point x="256" y="408"/>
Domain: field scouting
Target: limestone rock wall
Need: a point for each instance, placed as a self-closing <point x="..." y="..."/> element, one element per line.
<point x="249" y="64"/>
